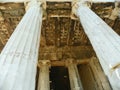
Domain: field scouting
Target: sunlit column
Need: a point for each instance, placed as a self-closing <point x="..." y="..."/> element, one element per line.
<point x="75" y="82"/>
<point x="44" y="83"/>
<point x="104" y="40"/>
<point x="18" y="59"/>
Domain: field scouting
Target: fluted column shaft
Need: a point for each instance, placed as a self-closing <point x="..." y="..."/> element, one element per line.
<point x="75" y="82"/>
<point x="18" y="59"/>
<point x="105" y="42"/>
<point x="44" y="83"/>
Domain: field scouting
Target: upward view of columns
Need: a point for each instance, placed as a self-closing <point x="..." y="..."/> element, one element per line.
<point x="18" y="60"/>
<point x="104" y="40"/>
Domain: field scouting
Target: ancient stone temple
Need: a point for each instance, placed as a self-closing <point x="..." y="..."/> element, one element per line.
<point x="59" y="44"/>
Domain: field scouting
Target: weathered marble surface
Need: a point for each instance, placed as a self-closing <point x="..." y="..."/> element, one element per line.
<point x="105" y="42"/>
<point x="18" y="59"/>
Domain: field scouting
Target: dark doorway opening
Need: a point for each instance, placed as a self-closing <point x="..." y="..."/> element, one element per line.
<point x="59" y="78"/>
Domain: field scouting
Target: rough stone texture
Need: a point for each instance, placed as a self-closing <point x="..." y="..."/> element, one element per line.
<point x="11" y="14"/>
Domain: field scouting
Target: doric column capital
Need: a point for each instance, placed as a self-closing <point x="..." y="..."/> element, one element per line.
<point x="78" y="3"/>
<point x="70" y="62"/>
<point x="44" y="63"/>
<point x="35" y="3"/>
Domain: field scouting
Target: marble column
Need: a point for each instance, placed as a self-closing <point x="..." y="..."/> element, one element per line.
<point x="104" y="40"/>
<point x="44" y="83"/>
<point x="18" y="59"/>
<point x="75" y="82"/>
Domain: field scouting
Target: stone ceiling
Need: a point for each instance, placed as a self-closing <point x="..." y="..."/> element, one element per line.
<point x="62" y="34"/>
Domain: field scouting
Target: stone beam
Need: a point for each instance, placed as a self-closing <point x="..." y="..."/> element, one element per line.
<point x="63" y="62"/>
